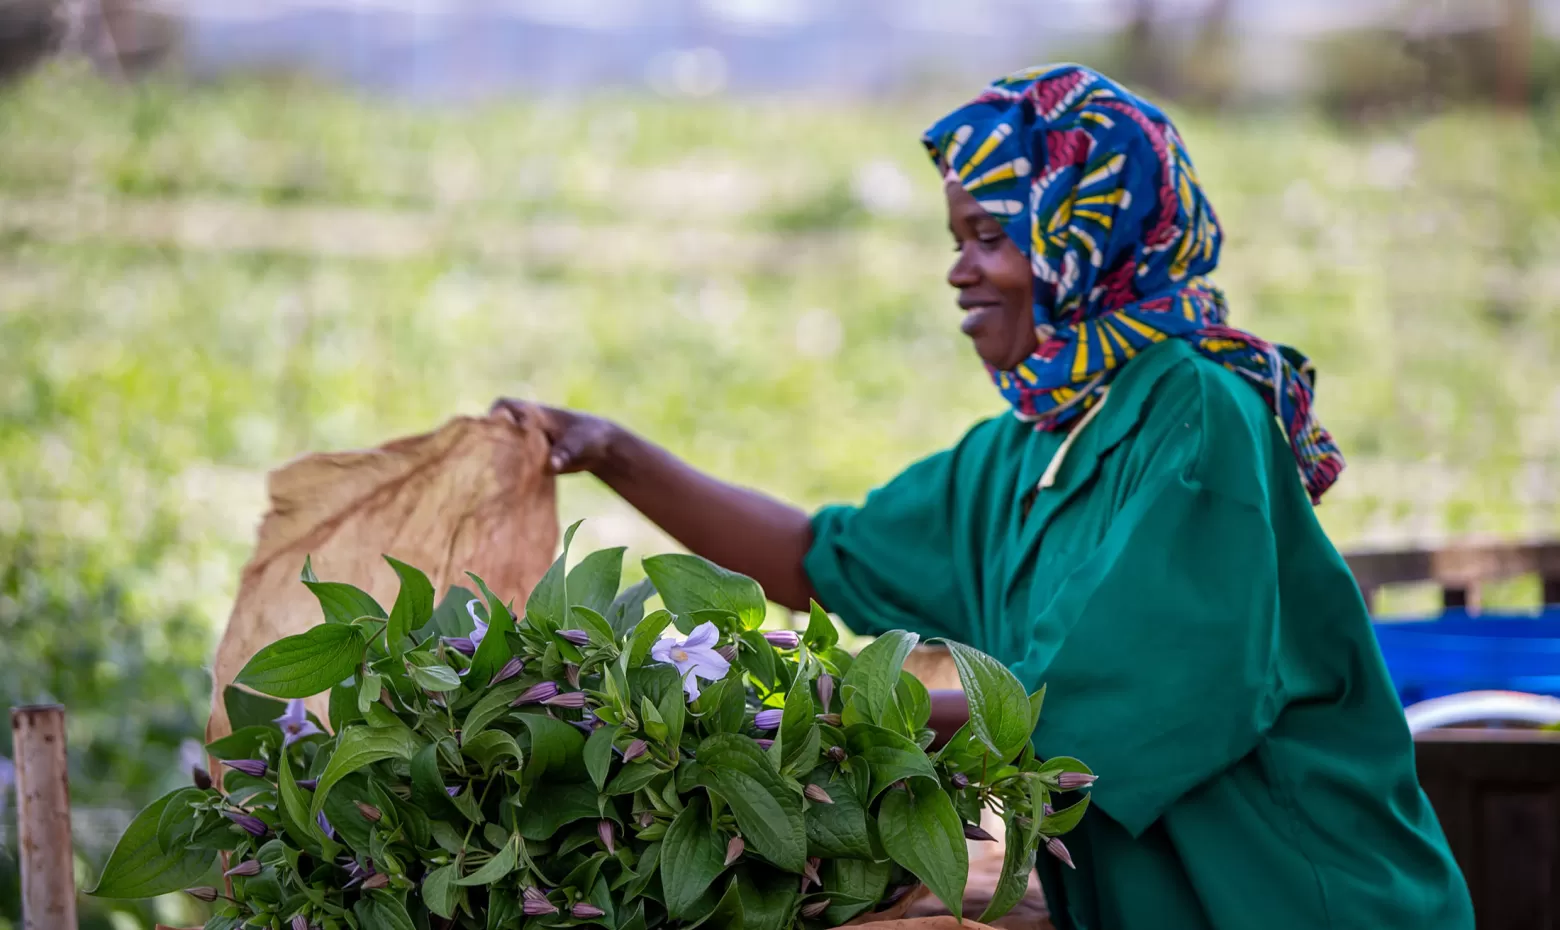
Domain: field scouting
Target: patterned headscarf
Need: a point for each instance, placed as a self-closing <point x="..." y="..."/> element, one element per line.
<point x="1095" y="185"/>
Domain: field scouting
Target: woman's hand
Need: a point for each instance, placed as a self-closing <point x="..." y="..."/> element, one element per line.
<point x="578" y="441"/>
<point x="740" y="529"/>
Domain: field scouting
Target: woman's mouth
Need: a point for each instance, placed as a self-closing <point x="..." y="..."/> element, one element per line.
<point x="976" y="317"/>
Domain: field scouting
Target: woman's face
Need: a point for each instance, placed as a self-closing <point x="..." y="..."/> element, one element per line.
<point x="991" y="274"/>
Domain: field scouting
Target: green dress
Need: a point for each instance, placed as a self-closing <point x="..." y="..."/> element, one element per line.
<point x="1205" y="648"/>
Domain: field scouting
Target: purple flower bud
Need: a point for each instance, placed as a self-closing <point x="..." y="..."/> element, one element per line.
<point x="1072" y="781"/>
<point x="815" y="909"/>
<point x="202" y="893"/>
<point x="836" y="754"/>
<point x="461" y="644"/>
<point x="452" y="790"/>
<point x="727" y="652"/>
<point x="810" y="871"/>
<point x="608" y="835"/>
<point x="783" y="639"/>
<point x="511" y="668"/>
<point x="960" y="780"/>
<point x="815" y="793"/>
<point x="646" y="818"/>
<point x="370" y="813"/>
<point x="299" y="922"/>
<point x="734" y="849"/>
<point x="377" y="880"/>
<point x="254" y="768"/>
<point x="586" y="911"/>
<point x="536" y="693"/>
<point x="973" y="832"/>
<point x="252" y="825"/>
<point x="635" y="749"/>
<point x="1054" y="847"/>
<point x="325" y="827"/>
<point x="577" y="637"/>
<point x="832" y="720"/>
<point x="571" y="673"/>
<point x="536" y="903"/>
<point x="201" y="778"/>
<point x="307" y="784"/>
<point x="825" y="691"/>
<point x="768" y="719"/>
<point x="764" y="744"/>
<point x="246" y="869"/>
<point x="574" y="699"/>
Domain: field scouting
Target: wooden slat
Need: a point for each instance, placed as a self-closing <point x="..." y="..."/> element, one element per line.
<point x="1459" y="566"/>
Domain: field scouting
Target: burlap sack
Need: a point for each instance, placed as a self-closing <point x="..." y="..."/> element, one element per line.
<point x="472" y="496"/>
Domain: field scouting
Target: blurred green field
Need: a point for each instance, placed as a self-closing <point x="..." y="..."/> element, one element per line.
<point x="199" y="283"/>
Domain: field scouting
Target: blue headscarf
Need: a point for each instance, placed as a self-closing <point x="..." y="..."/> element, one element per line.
<point x="1094" y="184"/>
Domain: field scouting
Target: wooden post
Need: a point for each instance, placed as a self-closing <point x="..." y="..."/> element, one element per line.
<point x="43" y="818"/>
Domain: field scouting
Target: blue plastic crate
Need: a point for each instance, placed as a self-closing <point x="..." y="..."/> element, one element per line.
<point x="1457" y="652"/>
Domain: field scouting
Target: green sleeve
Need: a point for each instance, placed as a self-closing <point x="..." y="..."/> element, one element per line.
<point x="888" y="564"/>
<point x="1159" y="650"/>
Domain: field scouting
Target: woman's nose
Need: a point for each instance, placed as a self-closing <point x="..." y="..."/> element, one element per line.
<point x="963" y="274"/>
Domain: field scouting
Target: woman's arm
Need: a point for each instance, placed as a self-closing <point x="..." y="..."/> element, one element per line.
<point x="950" y="710"/>
<point x="740" y="529"/>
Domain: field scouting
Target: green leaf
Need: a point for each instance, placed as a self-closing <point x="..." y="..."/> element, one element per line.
<point x="594" y="582"/>
<point x="428" y="783"/>
<point x="768" y="811"/>
<point x="688" y="583"/>
<point x="1055" y="766"/>
<point x="439" y="891"/>
<point x="502" y="863"/>
<point x="305" y="664"/>
<point x="368" y="693"/>
<point x="692" y="856"/>
<point x="921" y="832"/>
<point x="999" y="708"/>
<point x="489" y="746"/>
<point x="139" y="868"/>
<point x="759" y="659"/>
<point x="1066" y="819"/>
<point x="413" y="605"/>
<point x="889" y="755"/>
<point x="361" y="746"/>
<point x="450" y="617"/>
<point x="503" y="910"/>
<point x="915" y="703"/>
<point x="673" y="708"/>
<point x="553" y="804"/>
<point x="548" y="605"/>
<point x="248" y="709"/>
<point x="382" y="911"/>
<point x="247" y="743"/>
<point x="598" y="754"/>
<point x="1036" y="701"/>
<point x="821" y="633"/>
<point x="768" y="899"/>
<point x="344" y="603"/>
<point x="493" y="705"/>
<point x="837" y="830"/>
<point x="435" y="677"/>
<point x="495" y="648"/>
<point x="555" y="747"/>
<point x="628" y="608"/>
<point x="796" y="723"/>
<point x="1018" y="860"/>
<point x="179" y="817"/>
<point x="875" y="672"/>
<point x="295" y="813"/>
<point x="645" y="635"/>
<point x="343" y="709"/>
<point x="593" y="623"/>
<point x="631" y="778"/>
<point x="856" y="879"/>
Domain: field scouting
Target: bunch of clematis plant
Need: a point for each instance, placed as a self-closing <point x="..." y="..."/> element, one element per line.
<point x="589" y="763"/>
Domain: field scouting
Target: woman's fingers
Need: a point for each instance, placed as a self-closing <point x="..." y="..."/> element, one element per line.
<point x="577" y="441"/>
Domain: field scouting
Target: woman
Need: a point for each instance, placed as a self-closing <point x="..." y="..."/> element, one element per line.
<point x="1139" y="536"/>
